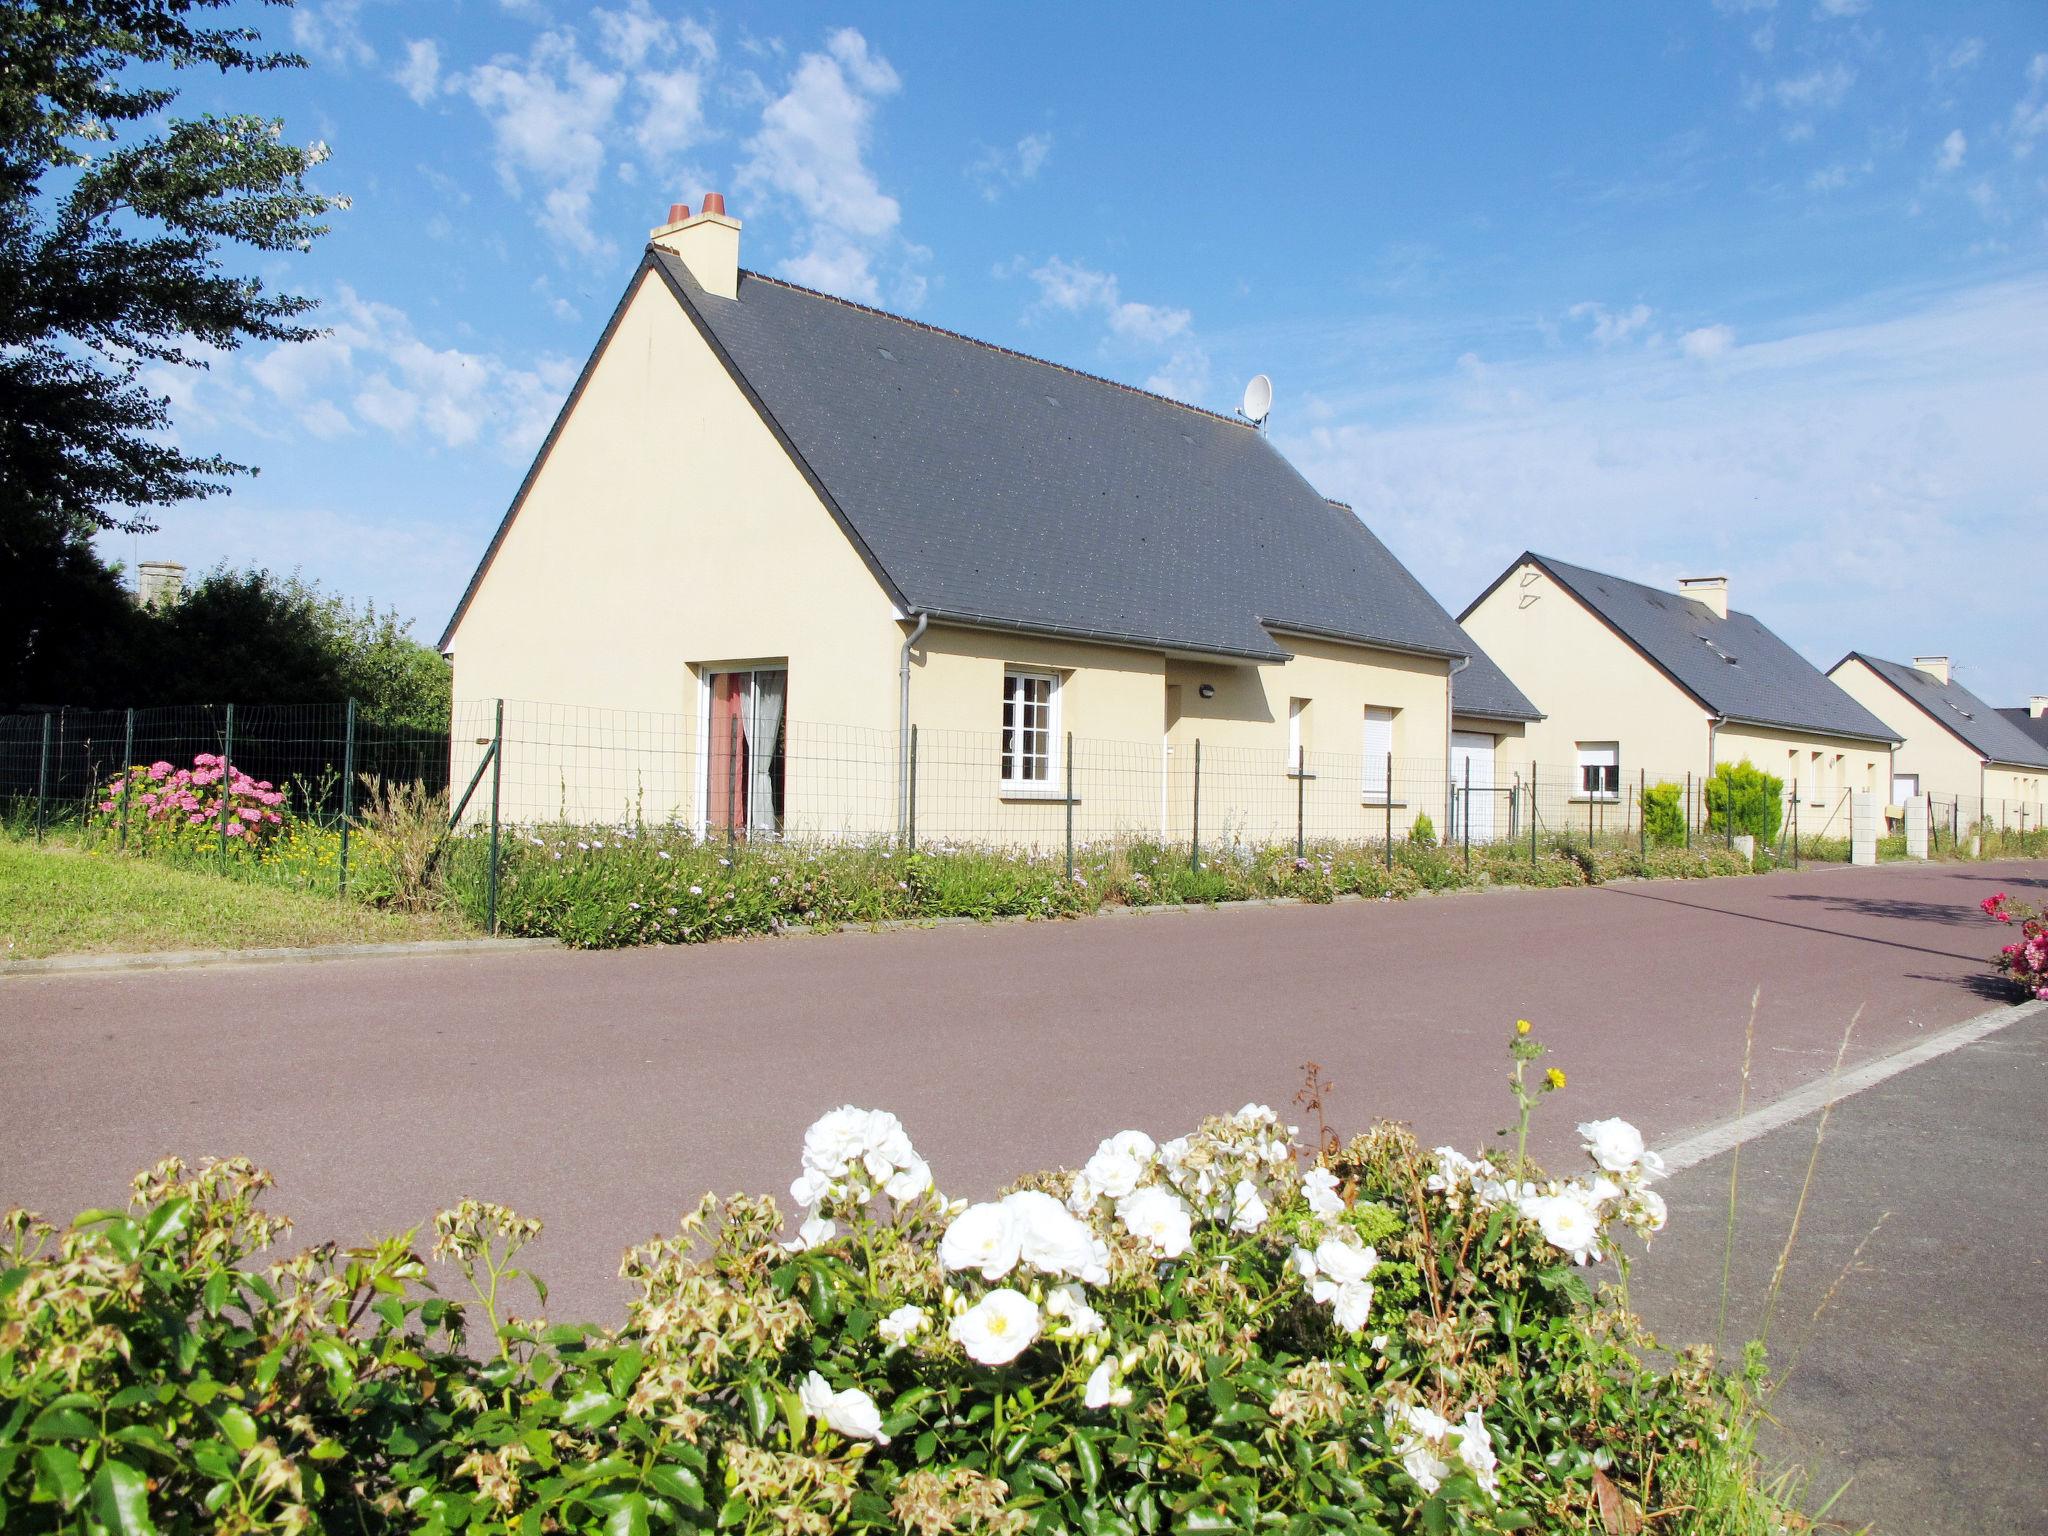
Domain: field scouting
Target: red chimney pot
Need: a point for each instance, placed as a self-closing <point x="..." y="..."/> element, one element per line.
<point x="714" y="202"/>
<point x="677" y="212"/>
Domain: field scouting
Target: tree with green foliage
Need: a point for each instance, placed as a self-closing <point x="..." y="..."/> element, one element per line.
<point x="1663" y="814"/>
<point x="1752" y="798"/>
<point x="117" y="221"/>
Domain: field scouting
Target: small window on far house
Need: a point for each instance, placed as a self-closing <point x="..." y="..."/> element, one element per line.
<point x="1297" y="732"/>
<point x="1030" y="730"/>
<point x="1600" y="770"/>
<point x="1379" y="753"/>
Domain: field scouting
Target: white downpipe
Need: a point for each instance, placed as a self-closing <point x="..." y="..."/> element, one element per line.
<point x="903" y="726"/>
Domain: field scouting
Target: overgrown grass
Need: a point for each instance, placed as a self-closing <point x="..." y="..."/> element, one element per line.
<point x="61" y="899"/>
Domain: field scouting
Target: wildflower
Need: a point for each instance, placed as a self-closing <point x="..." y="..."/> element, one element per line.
<point x="1554" y="1078"/>
<point x="998" y="1328"/>
<point x="1568" y="1223"/>
<point x="696" y="890"/>
<point x="662" y="853"/>
<point x="983" y="1237"/>
<point x="1618" y="1147"/>
<point x="1103" y="1389"/>
<point x="1319" y="1188"/>
<point x="1160" y="1218"/>
<point x="851" y="1412"/>
<point x="1522" y="1026"/>
<point x="903" y="1325"/>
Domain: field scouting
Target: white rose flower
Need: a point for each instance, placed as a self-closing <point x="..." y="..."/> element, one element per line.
<point x="983" y="1237"/>
<point x="1247" y="1209"/>
<point x="815" y="1231"/>
<point x="1119" y="1164"/>
<point x="1052" y="1240"/>
<point x="1647" y="1210"/>
<point x="1569" y="1225"/>
<point x="1319" y="1188"/>
<point x="998" y="1328"/>
<point x="1303" y="1263"/>
<point x="1350" y="1302"/>
<point x="1475" y="1449"/>
<point x="851" y="1412"/>
<point x="1077" y="1320"/>
<point x="1103" y="1390"/>
<point x="1615" y="1145"/>
<point x="1416" y="1445"/>
<point x="1158" y="1217"/>
<point x="914" y="1178"/>
<point x="904" y="1324"/>
<point x="1344" y="1259"/>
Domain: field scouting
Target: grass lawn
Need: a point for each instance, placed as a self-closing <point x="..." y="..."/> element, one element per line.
<point x="56" y="900"/>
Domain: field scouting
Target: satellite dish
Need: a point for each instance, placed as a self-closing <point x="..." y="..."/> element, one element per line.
<point x="1258" y="399"/>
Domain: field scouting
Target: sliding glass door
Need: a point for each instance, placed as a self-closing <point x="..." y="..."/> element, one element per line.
<point x="744" y="788"/>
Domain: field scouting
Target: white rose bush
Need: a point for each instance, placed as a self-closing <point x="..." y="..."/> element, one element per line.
<point x="1223" y="1331"/>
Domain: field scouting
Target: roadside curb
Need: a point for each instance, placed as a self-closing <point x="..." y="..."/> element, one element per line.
<point x="192" y="959"/>
<point x="1704" y="1145"/>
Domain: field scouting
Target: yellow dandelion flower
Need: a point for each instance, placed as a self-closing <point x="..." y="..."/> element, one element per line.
<point x="1554" y="1077"/>
<point x="1522" y="1026"/>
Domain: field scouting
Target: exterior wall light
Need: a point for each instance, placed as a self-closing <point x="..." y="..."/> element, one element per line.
<point x="1207" y="690"/>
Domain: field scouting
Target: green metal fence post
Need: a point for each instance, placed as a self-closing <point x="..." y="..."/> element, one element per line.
<point x="497" y="780"/>
<point x="226" y="766"/>
<point x="1642" y="805"/>
<point x="127" y="774"/>
<point x="1070" y="807"/>
<point x="1195" y="822"/>
<point x="348" y="785"/>
<point x="43" y="777"/>
<point x="732" y="791"/>
<point x="1688" y="809"/>
<point x="1387" y="799"/>
<point x="1300" y="802"/>
<point x="1532" y="811"/>
<point x="910" y="827"/>
<point x="1795" y="826"/>
<point x="1465" y="814"/>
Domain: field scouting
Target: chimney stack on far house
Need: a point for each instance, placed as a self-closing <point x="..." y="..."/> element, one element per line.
<point x="1711" y="590"/>
<point x="159" y="583"/>
<point x="1935" y="667"/>
<point x="709" y="244"/>
<point x="2037" y="706"/>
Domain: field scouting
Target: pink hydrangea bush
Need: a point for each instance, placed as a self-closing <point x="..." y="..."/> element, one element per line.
<point x="168" y="804"/>
<point x="2024" y="961"/>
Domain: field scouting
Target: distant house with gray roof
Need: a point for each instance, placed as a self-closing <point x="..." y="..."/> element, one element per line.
<point x="1642" y="684"/>
<point x="1954" y="746"/>
<point x="802" y="526"/>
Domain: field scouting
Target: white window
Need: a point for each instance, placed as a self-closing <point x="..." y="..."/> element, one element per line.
<point x="1379" y="750"/>
<point x="1600" y="770"/>
<point x="1905" y="786"/>
<point x="1297" y="719"/>
<point x="1813" y="796"/>
<point x="1030" y="731"/>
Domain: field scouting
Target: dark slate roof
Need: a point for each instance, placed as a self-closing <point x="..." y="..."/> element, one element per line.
<point x="1484" y="692"/>
<point x="1734" y="666"/>
<point x="1968" y="718"/>
<point x="2036" y="726"/>
<point x="991" y="488"/>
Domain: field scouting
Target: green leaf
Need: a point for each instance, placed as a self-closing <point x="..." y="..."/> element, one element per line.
<point x="1089" y="1460"/>
<point x="167" y="1221"/>
<point x="120" y="1498"/>
<point x="61" y="1421"/>
<point x="760" y="1407"/>
<point x="215" y="1296"/>
<point x="625" y="1369"/>
<point x="57" y="1475"/>
<point x="237" y="1424"/>
<point x="678" y="1483"/>
<point x="628" y="1516"/>
<point x="148" y="1437"/>
<point x="334" y="1355"/>
<point x="590" y="1408"/>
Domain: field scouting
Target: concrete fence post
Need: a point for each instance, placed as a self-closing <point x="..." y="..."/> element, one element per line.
<point x="1919" y="819"/>
<point x="1863" y="816"/>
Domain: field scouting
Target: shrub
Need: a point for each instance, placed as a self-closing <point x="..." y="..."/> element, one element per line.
<point x="401" y="824"/>
<point x="1200" y="1335"/>
<point x="1663" y="810"/>
<point x="1423" y="833"/>
<point x="1754" y="799"/>
<point x="2024" y="962"/>
<point x="170" y="808"/>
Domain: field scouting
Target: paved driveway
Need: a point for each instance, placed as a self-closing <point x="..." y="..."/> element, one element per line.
<point x="604" y="1092"/>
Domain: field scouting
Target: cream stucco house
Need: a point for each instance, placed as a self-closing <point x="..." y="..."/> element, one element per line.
<point x="1953" y="745"/>
<point x="1640" y="684"/>
<point x="800" y="527"/>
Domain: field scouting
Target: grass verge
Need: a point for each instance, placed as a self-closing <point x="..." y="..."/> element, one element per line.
<point x="58" y="900"/>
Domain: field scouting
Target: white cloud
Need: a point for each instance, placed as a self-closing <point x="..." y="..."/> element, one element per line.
<point x="420" y="74"/>
<point x="1953" y="148"/>
<point x="1844" y="7"/>
<point x="1743" y="7"/>
<point x="1073" y="288"/>
<point x="1609" y="326"/>
<point x="2030" y="113"/>
<point x="549" y="114"/>
<point x="1707" y="343"/>
<point x="1964" y="54"/>
<point x="997" y="169"/>
<point x="812" y="151"/>
<point x="331" y="31"/>
<point x="1818" y="90"/>
<point x="1838" y="470"/>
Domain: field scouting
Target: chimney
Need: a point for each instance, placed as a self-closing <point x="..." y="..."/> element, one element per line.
<point x="709" y="244"/>
<point x="159" y="583"/>
<point x="1711" y="590"/>
<point x="2037" y="706"/>
<point x="1935" y="667"/>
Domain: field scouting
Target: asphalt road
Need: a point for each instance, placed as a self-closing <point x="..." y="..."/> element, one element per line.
<point x="1923" y="1385"/>
<point x="605" y="1092"/>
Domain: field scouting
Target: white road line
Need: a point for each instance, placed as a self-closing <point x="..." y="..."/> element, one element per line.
<point x="1712" y="1142"/>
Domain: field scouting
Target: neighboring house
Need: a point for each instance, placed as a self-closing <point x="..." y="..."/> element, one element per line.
<point x="1490" y="719"/>
<point x="2031" y="717"/>
<point x="1955" y="746"/>
<point x="803" y="525"/>
<point x="1640" y="684"/>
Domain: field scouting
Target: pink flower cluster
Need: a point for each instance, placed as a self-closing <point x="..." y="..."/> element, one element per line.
<point x="164" y="794"/>
<point x="2026" y="961"/>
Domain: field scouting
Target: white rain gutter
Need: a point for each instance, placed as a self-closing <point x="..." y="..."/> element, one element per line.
<point x="1450" y="731"/>
<point x="924" y="620"/>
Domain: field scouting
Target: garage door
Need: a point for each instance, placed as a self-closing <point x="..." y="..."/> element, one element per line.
<point x="1472" y="752"/>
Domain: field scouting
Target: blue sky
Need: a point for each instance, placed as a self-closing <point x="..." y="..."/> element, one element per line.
<point x="1728" y="286"/>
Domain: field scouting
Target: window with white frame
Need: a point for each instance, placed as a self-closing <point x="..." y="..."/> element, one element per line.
<point x="1379" y="752"/>
<point x="1297" y="726"/>
<point x="1600" y="770"/>
<point x="1030" y="731"/>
